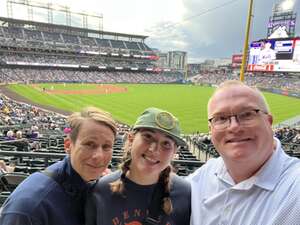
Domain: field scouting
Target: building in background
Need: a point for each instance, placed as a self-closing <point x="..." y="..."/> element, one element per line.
<point x="162" y="62"/>
<point x="222" y="62"/>
<point x="172" y="60"/>
<point x="221" y="65"/>
<point x="177" y="60"/>
<point x="194" y="68"/>
<point x="236" y="62"/>
<point x="208" y="65"/>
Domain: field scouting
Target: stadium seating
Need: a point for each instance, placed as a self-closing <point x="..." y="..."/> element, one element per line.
<point x="34" y="38"/>
<point x="282" y="82"/>
<point x="44" y="145"/>
<point x="9" y="181"/>
<point x="68" y="76"/>
<point x="32" y="56"/>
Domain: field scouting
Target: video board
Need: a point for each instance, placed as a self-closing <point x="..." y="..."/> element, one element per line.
<point x="274" y="55"/>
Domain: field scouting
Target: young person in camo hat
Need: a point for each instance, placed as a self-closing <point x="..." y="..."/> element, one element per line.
<point x="144" y="191"/>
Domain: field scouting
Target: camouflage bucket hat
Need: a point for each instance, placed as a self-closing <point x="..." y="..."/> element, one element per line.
<point x="161" y="120"/>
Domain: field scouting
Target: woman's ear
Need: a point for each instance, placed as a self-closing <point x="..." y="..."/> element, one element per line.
<point x="130" y="137"/>
<point x="67" y="145"/>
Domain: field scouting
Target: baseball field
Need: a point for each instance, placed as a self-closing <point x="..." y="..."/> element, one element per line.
<point x="127" y="101"/>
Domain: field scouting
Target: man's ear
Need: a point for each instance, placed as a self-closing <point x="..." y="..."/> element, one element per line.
<point x="270" y="119"/>
<point x="67" y="145"/>
<point x="209" y="127"/>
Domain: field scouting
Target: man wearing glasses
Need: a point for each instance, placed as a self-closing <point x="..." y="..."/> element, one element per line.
<point x="254" y="182"/>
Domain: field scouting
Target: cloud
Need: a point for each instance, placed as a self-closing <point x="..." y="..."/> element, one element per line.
<point x="203" y="28"/>
<point x="204" y="33"/>
<point x="211" y="31"/>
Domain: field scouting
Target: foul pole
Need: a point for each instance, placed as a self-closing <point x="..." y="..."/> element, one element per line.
<point x="245" y="51"/>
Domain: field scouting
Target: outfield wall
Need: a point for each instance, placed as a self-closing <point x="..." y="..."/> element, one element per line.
<point x="272" y="90"/>
<point x="281" y="92"/>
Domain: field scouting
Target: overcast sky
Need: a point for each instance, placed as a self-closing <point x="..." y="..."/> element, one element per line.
<point x="203" y="28"/>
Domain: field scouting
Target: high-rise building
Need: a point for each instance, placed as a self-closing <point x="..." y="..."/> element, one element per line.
<point x="162" y="62"/>
<point x="177" y="60"/>
<point x="172" y="60"/>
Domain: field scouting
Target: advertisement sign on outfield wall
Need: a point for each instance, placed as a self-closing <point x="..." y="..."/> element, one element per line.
<point x="236" y="60"/>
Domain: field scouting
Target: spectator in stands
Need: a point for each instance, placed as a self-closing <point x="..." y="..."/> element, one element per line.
<point x="34" y="133"/>
<point x="6" y="168"/>
<point x="10" y="135"/>
<point x="57" y="196"/>
<point x="254" y="181"/>
<point x="20" y="142"/>
<point x="145" y="182"/>
<point x="19" y="134"/>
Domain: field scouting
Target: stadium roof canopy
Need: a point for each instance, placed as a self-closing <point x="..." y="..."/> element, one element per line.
<point x="65" y="29"/>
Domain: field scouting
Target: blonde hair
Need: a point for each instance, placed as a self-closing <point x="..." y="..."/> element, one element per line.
<point x="19" y="134"/>
<point x="10" y="133"/>
<point x="118" y="186"/>
<point x="76" y="120"/>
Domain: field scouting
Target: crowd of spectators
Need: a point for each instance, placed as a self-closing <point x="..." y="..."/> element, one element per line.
<point x="72" y="59"/>
<point x="289" y="137"/>
<point x="27" y="38"/>
<point x="264" y="81"/>
<point x="14" y="113"/>
<point x="21" y="120"/>
<point x="9" y="75"/>
<point x="33" y="55"/>
<point x="26" y="128"/>
<point x="65" y="68"/>
<point x="22" y="123"/>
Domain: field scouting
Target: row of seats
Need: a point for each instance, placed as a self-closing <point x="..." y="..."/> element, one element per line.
<point x="42" y="36"/>
<point x="55" y="145"/>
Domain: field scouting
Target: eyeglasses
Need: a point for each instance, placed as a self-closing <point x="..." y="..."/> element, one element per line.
<point x="245" y="118"/>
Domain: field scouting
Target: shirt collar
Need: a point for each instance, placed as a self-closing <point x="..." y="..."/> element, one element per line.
<point x="73" y="177"/>
<point x="267" y="177"/>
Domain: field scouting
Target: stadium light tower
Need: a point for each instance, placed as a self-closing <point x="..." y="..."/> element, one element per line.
<point x="287" y="5"/>
<point x="245" y="51"/>
<point x="33" y="5"/>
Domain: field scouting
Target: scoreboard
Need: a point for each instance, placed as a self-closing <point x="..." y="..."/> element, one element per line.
<point x="274" y="55"/>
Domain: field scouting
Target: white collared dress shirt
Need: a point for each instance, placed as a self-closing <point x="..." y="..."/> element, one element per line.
<point x="270" y="197"/>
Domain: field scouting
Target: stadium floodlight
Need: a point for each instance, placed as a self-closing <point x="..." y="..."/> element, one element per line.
<point x="287" y="5"/>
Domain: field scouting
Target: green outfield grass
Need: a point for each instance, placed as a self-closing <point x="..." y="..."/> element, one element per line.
<point x="188" y="103"/>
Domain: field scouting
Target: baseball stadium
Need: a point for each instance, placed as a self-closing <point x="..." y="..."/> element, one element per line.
<point x="50" y="70"/>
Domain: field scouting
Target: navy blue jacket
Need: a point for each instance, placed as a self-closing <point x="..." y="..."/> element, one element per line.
<point x="40" y="200"/>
